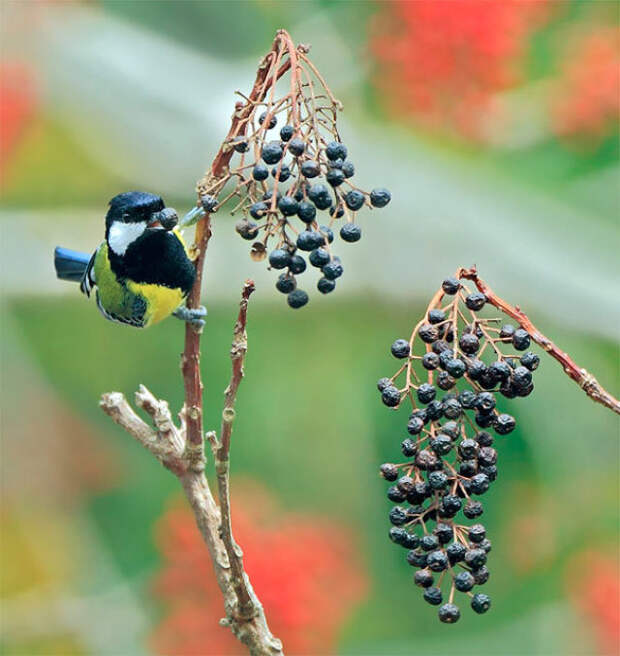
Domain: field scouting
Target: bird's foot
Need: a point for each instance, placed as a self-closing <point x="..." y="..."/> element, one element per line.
<point x="194" y="316"/>
<point x="192" y="217"/>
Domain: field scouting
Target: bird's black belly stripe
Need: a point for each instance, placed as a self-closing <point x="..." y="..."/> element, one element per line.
<point x="157" y="257"/>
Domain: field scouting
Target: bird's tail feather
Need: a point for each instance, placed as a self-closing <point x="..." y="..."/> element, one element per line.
<point x="70" y="265"/>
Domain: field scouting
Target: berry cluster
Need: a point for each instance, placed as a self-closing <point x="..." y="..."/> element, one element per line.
<point x="454" y="365"/>
<point x="293" y="181"/>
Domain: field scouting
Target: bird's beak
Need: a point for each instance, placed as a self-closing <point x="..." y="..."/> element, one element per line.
<point x="166" y="218"/>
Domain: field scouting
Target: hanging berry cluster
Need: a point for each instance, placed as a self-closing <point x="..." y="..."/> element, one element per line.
<point x="291" y="176"/>
<point x="455" y="364"/>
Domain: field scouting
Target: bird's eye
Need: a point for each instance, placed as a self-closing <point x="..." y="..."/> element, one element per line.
<point x="125" y="217"/>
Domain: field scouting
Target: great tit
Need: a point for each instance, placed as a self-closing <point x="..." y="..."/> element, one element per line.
<point x="142" y="271"/>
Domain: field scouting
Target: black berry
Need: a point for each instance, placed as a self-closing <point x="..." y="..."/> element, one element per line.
<point x="464" y="581"/>
<point x="335" y="150"/>
<point x="449" y="613"/>
<point x="351" y="232"/>
<point x="297" y="298"/>
<point x="390" y="396"/>
<point x="286" y="132"/>
<point x="335" y="177"/>
<point x="354" y="199"/>
<point x="475" y="301"/>
<point x="437" y="560"/>
<point x="423" y="578"/>
<point x="400" y="349"/>
<point x="297" y="264"/>
<point x="530" y="360"/>
<point x="451" y="286"/>
<point x="504" y="424"/>
<point x="279" y="258"/>
<point x="426" y="392"/>
<point x="272" y="120"/>
<point x="480" y="602"/>
<point x="389" y="471"/>
<point x="380" y="197"/>
<point x="332" y="270"/>
<point x="521" y="339"/>
<point x="296" y="147"/>
<point x="286" y="283"/>
<point x="319" y="257"/>
<point x="433" y="596"/>
<point x="260" y="172"/>
<point x="306" y="212"/>
<point x="272" y="152"/>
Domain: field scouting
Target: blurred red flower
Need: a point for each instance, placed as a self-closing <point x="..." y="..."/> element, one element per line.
<point x="439" y="63"/>
<point x="593" y="584"/>
<point x="529" y="537"/>
<point x="305" y="570"/>
<point x="17" y="107"/>
<point x="586" y="102"/>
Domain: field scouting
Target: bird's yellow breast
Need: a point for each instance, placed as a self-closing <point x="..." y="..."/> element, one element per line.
<point x="161" y="301"/>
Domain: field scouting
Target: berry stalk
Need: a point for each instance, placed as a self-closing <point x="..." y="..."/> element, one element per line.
<point x="583" y="378"/>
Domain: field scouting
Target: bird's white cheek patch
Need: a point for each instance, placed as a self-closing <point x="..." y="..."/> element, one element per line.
<point x="122" y="234"/>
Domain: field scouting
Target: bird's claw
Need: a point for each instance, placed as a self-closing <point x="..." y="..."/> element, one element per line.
<point x="194" y="316"/>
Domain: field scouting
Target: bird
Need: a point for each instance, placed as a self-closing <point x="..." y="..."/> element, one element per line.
<point x="142" y="272"/>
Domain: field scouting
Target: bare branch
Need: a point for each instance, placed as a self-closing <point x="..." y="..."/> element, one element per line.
<point x="251" y="631"/>
<point x="238" y="350"/>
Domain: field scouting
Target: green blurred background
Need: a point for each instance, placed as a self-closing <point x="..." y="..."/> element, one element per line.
<point x="495" y="125"/>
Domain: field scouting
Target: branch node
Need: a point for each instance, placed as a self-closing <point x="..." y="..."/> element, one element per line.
<point x="194" y="412"/>
<point x="211" y="437"/>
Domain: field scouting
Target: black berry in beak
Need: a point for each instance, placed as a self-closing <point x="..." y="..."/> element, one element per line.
<point x="167" y="218"/>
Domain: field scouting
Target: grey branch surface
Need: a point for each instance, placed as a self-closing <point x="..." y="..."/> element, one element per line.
<point x="167" y="442"/>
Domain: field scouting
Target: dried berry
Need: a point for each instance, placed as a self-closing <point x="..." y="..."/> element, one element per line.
<point x="433" y="596"/>
<point x="481" y="602"/>
<point x="455" y="365"/>
<point x="380" y="197"/>
<point x="449" y="613"/>
<point x="389" y="471"/>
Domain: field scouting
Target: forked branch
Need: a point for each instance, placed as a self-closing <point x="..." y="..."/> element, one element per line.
<point x="170" y="445"/>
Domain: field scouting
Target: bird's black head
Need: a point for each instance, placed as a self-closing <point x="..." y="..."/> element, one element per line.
<point x="133" y="207"/>
<point x="131" y="214"/>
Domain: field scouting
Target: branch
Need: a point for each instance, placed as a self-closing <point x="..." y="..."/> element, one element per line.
<point x="269" y="71"/>
<point x="585" y="380"/>
<point x="221" y="451"/>
<point x="167" y="443"/>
